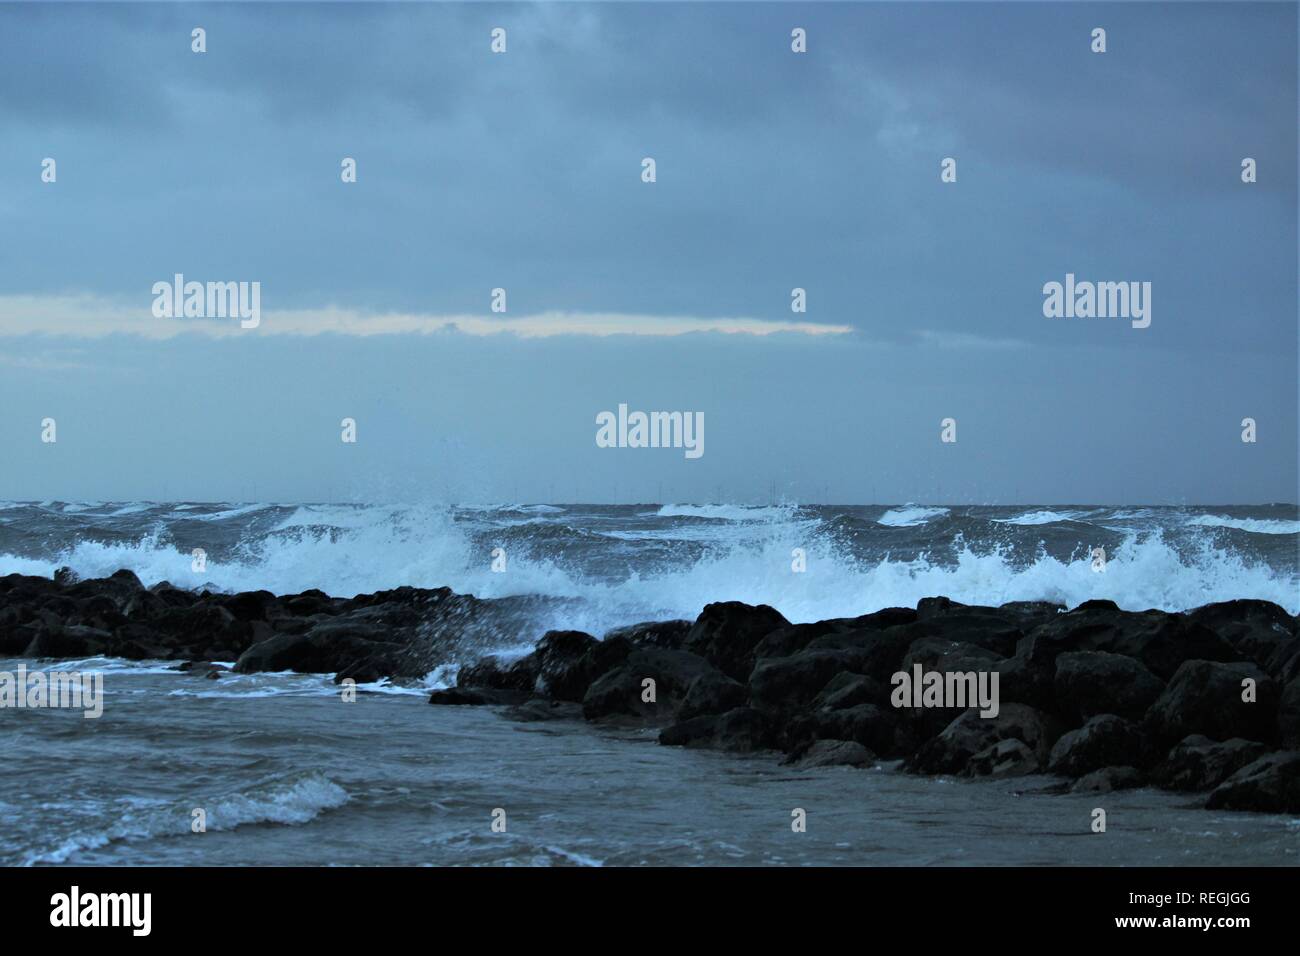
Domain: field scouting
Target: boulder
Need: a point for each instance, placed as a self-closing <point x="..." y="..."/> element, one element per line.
<point x="563" y="665"/>
<point x="1104" y="741"/>
<point x="1199" y="763"/>
<point x="664" y="634"/>
<point x="726" y="634"/>
<point x="1006" y="758"/>
<point x="783" y="684"/>
<point x="712" y="692"/>
<point x="1205" y="697"/>
<point x="1089" y="683"/>
<point x="1270" y="784"/>
<point x="741" y="730"/>
<point x="1108" y="779"/>
<point x="970" y="734"/>
<point x="835" y="753"/>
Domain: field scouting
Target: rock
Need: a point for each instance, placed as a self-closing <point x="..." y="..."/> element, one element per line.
<point x="847" y="689"/>
<point x="535" y="710"/>
<point x="876" y="728"/>
<point x="1199" y="763"/>
<point x="741" y="730"/>
<point x="1160" y="641"/>
<point x="726" y="634"/>
<point x="1270" y="784"/>
<point x="664" y="634"/>
<point x="879" y="652"/>
<point x="1108" y="779"/>
<point x="1104" y="741"/>
<point x="57" y="641"/>
<point x="622" y="690"/>
<point x="1006" y="758"/>
<point x="970" y="734"/>
<point x="712" y="693"/>
<point x="1288" y="715"/>
<point x="1255" y="629"/>
<point x="313" y="653"/>
<point x="474" y="697"/>
<point x="1089" y="683"/>
<point x="65" y="576"/>
<point x="564" y="669"/>
<point x="1205" y="697"/>
<point x="520" y="674"/>
<point x="783" y="684"/>
<point x="835" y="753"/>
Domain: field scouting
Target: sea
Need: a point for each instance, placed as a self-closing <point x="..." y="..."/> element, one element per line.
<point x="285" y="773"/>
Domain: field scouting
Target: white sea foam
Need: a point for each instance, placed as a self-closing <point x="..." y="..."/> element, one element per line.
<point x="909" y="516"/>
<point x="1253" y="525"/>
<point x="292" y="801"/>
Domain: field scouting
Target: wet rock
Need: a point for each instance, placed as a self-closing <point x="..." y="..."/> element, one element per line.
<point x="1089" y="683"/>
<point x="725" y="634"/>
<point x="624" y="690"/>
<point x="1199" y="763"/>
<point x="1104" y="741"/>
<point x="712" y="692"/>
<point x="1270" y="784"/>
<point x="741" y="730"/>
<point x="1205" y="697"/>
<point x="55" y="641"/>
<point x="1108" y="779"/>
<point x="783" y="684"/>
<point x="1255" y="629"/>
<point x="1006" y="758"/>
<point x="835" y="753"/>
<point x="970" y="734"/>
<point x="664" y="634"/>
<point x="564" y="669"/>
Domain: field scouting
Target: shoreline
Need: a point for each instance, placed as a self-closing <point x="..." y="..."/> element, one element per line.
<point x="1204" y="702"/>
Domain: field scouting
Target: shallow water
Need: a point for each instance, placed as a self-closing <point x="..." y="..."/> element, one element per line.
<point x="290" y="774"/>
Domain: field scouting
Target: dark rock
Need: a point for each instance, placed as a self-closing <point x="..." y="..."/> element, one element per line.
<point x="725" y="634"/>
<point x="712" y="693"/>
<point x="65" y="576"/>
<point x="666" y="634"/>
<point x="72" y="641"/>
<point x="623" y="690"/>
<point x="1205" y="697"/>
<point x="848" y="690"/>
<point x="1006" y="758"/>
<point x="741" y="730"/>
<point x="790" y="683"/>
<point x="835" y="753"/>
<point x="1256" y="629"/>
<point x="535" y="710"/>
<point x="1104" y="741"/>
<point x="1270" y="784"/>
<point x="1095" y="682"/>
<point x="1108" y="779"/>
<point x="879" y="652"/>
<point x="1288" y="715"/>
<point x="564" y="668"/>
<point x="1199" y="763"/>
<point x="476" y="697"/>
<point x="1160" y="641"/>
<point x="969" y="734"/>
<point x="876" y="728"/>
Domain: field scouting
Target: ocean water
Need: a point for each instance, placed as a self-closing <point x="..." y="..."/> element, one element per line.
<point x="287" y="773"/>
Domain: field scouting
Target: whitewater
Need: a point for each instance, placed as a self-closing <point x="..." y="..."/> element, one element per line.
<point x="603" y="566"/>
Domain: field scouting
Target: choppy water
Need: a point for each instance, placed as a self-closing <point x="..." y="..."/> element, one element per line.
<point x="604" y="566"/>
<point x="287" y="773"/>
<point x="290" y="774"/>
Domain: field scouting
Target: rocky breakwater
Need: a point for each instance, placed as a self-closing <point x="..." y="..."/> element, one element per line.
<point x="1206" y="701"/>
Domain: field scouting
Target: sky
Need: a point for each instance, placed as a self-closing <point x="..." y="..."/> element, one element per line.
<point x="774" y="170"/>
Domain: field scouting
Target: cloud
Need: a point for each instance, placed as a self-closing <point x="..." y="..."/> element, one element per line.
<point x="92" y="316"/>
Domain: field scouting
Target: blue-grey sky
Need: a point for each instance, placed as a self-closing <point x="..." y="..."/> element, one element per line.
<point x="775" y="170"/>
